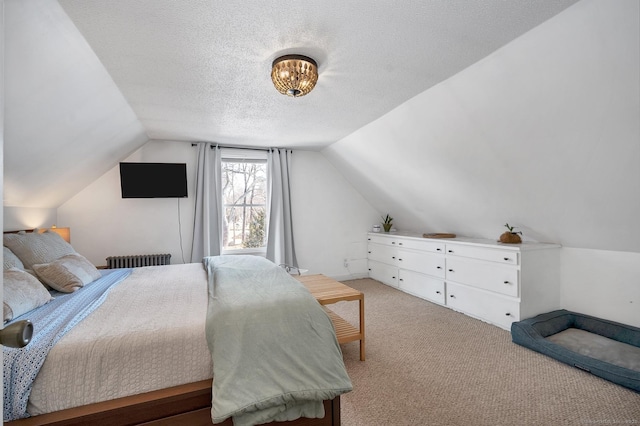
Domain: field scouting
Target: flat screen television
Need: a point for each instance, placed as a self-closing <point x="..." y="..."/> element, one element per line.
<point x="153" y="180"/>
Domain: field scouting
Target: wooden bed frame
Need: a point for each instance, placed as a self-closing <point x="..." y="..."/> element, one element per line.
<point x="188" y="404"/>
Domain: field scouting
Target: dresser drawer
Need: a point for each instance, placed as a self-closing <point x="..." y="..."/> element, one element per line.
<point x="382" y="253"/>
<point x="427" y="263"/>
<point x="381" y="239"/>
<point x="384" y="273"/>
<point x="424" y="245"/>
<point x="422" y="286"/>
<point x="490" y="307"/>
<point x="507" y="257"/>
<point x="486" y="275"/>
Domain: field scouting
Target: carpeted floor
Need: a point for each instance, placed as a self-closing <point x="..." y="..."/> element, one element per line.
<point x="429" y="365"/>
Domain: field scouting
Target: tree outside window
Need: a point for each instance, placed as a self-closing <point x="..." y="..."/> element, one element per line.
<point x="244" y="197"/>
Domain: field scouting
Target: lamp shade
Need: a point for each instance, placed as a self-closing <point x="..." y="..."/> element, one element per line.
<point x="64" y="232"/>
<point x="294" y="75"/>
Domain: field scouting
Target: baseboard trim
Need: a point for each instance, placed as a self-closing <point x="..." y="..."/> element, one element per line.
<point x="349" y="277"/>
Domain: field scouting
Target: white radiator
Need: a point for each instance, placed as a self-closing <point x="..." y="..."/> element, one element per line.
<point x="138" y="260"/>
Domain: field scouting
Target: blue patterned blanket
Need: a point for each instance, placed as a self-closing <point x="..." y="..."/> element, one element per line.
<point x="50" y="323"/>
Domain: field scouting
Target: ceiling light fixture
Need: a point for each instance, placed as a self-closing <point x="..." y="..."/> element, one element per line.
<point x="294" y="75"/>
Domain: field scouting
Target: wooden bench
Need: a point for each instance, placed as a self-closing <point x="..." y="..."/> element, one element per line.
<point x="327" y="291"/>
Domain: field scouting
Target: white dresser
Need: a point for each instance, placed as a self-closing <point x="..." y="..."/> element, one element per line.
<point x="495" y="282"/>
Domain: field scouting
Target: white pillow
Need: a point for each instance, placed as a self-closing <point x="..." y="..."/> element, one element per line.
<point x="10" y="260"/>
<point x="35" y="248"/>
<point x="22" y="293"/>
<point x="67" y="274"/>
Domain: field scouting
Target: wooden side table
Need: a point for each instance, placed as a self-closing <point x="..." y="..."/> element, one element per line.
<point x="327" y="291"/>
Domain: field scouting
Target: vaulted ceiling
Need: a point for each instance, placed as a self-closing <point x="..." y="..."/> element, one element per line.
<point x="200" y="70"/>
<point x="87" y="82"/>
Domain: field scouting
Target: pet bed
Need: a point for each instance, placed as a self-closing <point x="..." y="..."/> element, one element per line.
<point x="607" y="349"/>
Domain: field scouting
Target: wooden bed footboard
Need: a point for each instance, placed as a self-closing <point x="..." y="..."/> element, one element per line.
<point x="188" y="404"/>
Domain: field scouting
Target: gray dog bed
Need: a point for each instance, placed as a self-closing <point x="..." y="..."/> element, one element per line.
<point x="604" y="348"/>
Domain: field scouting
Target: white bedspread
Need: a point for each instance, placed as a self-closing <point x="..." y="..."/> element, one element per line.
<point x="149" y="334"/>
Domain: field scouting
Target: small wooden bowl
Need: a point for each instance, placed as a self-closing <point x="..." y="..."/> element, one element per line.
<point x="510" y="238"/>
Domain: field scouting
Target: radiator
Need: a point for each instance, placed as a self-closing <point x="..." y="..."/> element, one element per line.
<point x="138" y="260"/>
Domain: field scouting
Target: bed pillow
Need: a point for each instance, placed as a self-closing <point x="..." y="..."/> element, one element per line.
<point x="34" y="248"/>
<point x="10" y="260"/>
<point x="22" y="293"/>
<point x="68" y="273"/>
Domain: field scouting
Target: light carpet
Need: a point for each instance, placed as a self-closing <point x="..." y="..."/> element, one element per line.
<point x="429" y="365"/>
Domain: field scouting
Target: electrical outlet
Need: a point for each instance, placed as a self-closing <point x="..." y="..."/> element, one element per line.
<point x="346" y="263"/>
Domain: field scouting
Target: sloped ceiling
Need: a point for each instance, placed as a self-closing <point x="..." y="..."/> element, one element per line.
<point x="543" y="134"/>
<point x="89" y="81"/>
<point x="67" y="123"/>
<point x="200" y="70"/>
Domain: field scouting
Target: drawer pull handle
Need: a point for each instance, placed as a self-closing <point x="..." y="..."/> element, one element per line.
<point x="450" y="251"/>
<point x="369" y="252"/>
<point x="438" y="267"/>
<point x="393" y="278"/>
<point x="508" y="314"/>
<point x="393" y="257"/>
<point x="507" y="282"/>
<point x="400" y="260"/>
<point x="507" y="259"/>
<point x="369" y="268"/>
<point x="450" y="270"/>
<point x="401" y="279"/>
<point x="438" y="249"/>
<point x="437" y="292"/>
<point x="393" y="242"/>
<point x="452" y="296"/>
<point x="399" y="244"/>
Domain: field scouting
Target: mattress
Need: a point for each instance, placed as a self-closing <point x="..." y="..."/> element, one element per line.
<point x="149" y="334"/>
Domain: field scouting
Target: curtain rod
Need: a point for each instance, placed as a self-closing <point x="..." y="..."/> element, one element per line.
<point x="240" y="147"/>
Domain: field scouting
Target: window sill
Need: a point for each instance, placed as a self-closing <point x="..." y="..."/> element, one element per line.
<point x="253" y="252"/>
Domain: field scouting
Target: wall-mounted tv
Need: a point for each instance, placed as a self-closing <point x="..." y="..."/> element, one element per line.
<point x="153" y="180"/>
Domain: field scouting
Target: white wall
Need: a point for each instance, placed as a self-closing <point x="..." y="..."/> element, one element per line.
<point x="331" y="218"/>
<point x="18" y="218"/>
<point x="104" y="224"/>
<point x="601" y="283"/>
<point x="543" y="134"/>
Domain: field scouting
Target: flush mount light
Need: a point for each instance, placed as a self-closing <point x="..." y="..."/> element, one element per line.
<point x="294" y="75"/>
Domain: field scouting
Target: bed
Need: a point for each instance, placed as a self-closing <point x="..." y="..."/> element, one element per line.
<point x="606" y="349"/>
<point x="117" y="367"/>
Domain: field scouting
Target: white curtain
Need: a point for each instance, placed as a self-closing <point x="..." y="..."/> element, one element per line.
<point x="280" y="247"/>
<point x="207" y="235"/>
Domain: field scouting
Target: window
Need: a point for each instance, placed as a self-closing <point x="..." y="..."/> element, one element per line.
<point x="244" y="199"/>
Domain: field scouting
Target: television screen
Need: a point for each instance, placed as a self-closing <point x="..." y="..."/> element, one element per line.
<point x="153" y="180"/>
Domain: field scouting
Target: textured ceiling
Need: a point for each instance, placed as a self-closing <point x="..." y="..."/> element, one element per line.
<point x="199" y="70"/>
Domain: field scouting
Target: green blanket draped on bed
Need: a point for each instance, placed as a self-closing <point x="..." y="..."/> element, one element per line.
<point x="274" y="349"/>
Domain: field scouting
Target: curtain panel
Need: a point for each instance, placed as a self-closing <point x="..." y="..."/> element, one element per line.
<point x="207" y="232"/>
<point x="280" y="247"/>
